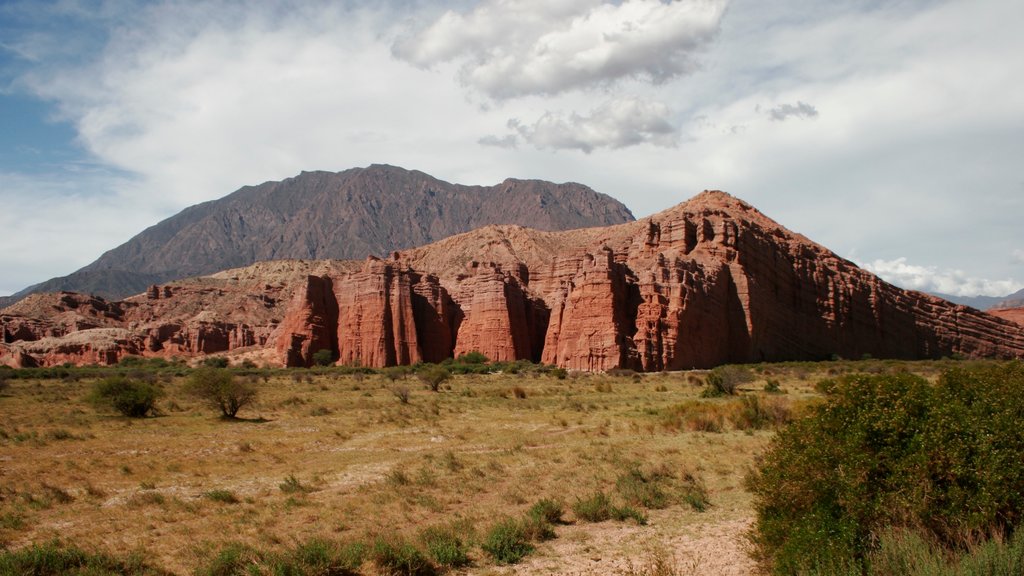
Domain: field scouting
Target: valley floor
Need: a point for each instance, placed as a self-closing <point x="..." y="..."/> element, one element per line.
<point x="340" y="457"/>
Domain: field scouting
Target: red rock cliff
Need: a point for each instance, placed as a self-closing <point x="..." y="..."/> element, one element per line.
<point x="707" y="282"/>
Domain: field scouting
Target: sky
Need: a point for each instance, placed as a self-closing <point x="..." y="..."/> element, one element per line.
<point x="891" y="132"/>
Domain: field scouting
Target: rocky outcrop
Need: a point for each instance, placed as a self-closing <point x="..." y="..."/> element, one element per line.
<point x="707" y="282"/>
<point x="1011" y="314"/>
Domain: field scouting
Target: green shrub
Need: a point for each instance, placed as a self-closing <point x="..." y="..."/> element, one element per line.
<point x="639" y="489"/>
<point x="893" y="451"/>
<point x="395" y="555"/>
<point x="292" y="485"/>
<point x="507" y="542"/>
<point x="318" y="557"/>
<point x="222" y="496"/>
<point x="595" y="508"/>
<point x="559" y="373"/>
<point x="221" y="389"/>
<point x="232" y="560"/>
<point x="56" y="559"/>
<point x="546" y="510"/>
<point x="726" y="380"/>
<point x="623" y="513"/>
<point x="215" y="362"/>
<point x="445" y="546"/>
<point x="129" y="397"/>
<point x="472" y="357"/>
<point x="323" y="357"/>
<point x="694" y="493"/>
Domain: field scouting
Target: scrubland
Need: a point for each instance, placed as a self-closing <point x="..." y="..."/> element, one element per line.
<point x="532" y="472"/>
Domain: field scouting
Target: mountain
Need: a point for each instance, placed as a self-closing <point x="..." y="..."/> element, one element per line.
<point x="350" y="214"/>
<point x="1015" y="300"/>
<point x="708" y="282"/>
<point x="979" y="302"/>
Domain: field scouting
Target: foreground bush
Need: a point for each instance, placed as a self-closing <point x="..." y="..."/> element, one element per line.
<point x="130" y="397"/>
<point x="893" y="451"/>
<point x="507" y="542"/>
<point x="221" y="389"/>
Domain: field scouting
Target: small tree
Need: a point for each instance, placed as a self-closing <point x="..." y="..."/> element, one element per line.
<point x="133" y="398"/>
<point x="219" y="388"/>
<point x="726" y="380"/>
<point x="434" y="376"/>
<point x="323" y="357"/>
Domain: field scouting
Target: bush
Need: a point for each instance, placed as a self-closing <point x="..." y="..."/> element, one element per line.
<point x="599" y="508"/>
<point x="323" y="357"/>
<point x="433" y="376"/>
<point x="56" y="559"/>
<point x="219" y="388"/>
<point x="132" y="398"/>
<point x="559" y="373"/>
<point x="639" y="489"/>
<point x="893" y="451"/>
<point x="546" y="510"/>
<point x="726" y="380"/>
<point x="507" y="542"/>
<point x="222" y="496"/>
<point x="472" y="357"/>
<point x="215" y="362"/>
<point x="445" y="546"/>
<point x="395" y="555"/>
<point x="318" y="557"/>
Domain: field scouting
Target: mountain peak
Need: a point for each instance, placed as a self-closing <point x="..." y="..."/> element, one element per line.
<point x="318" y="214"/>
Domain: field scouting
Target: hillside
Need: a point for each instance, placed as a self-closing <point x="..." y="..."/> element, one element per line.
<point x="708" y="282"/>
<point x="319" y="215"/>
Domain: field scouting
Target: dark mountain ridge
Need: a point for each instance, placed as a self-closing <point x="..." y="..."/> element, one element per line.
<point x="329" y="215"/>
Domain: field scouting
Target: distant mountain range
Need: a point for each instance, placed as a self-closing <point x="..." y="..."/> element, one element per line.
<point x="333" y="215"/>
<point x="1015" y="300"/>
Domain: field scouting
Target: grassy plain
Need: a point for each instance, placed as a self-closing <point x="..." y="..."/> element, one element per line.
<point x="339" y="456"/>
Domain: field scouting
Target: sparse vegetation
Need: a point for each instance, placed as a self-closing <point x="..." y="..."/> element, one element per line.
<point x="336" y="457"/>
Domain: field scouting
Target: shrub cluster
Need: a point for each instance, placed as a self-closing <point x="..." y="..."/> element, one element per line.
<point x="739" y="413"/>
<point x="133" y="398"/>
<point x="893" y="451"/>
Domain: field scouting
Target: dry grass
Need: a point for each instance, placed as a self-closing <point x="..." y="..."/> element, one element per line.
<point x="341" y="457"/>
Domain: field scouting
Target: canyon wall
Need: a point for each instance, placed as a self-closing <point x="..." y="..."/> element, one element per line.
<point x="708" y="282"/>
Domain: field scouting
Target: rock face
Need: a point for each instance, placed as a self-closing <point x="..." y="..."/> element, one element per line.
<point x="1011" y="314"/>
<point x="350" y="214"/>
<point x="707" y="282"/>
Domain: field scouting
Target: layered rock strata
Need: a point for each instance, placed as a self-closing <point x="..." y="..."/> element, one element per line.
<point x="708" y="282"/>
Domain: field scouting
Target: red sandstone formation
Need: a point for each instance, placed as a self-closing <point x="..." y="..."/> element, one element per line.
<point x="707" y="282"/>
<point x="1011" y="314"/>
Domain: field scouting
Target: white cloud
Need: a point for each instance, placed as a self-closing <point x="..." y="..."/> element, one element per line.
<point x="53" y="226"/>
<point x="615" y="124"/>
<point x="507" y="141"/>
<point x="938" y="280"/>
<point x="513" y="48"/>
<point x="799" y="110"/>
<point x="195" y="99"/>
<point x="1017" y="256"/>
